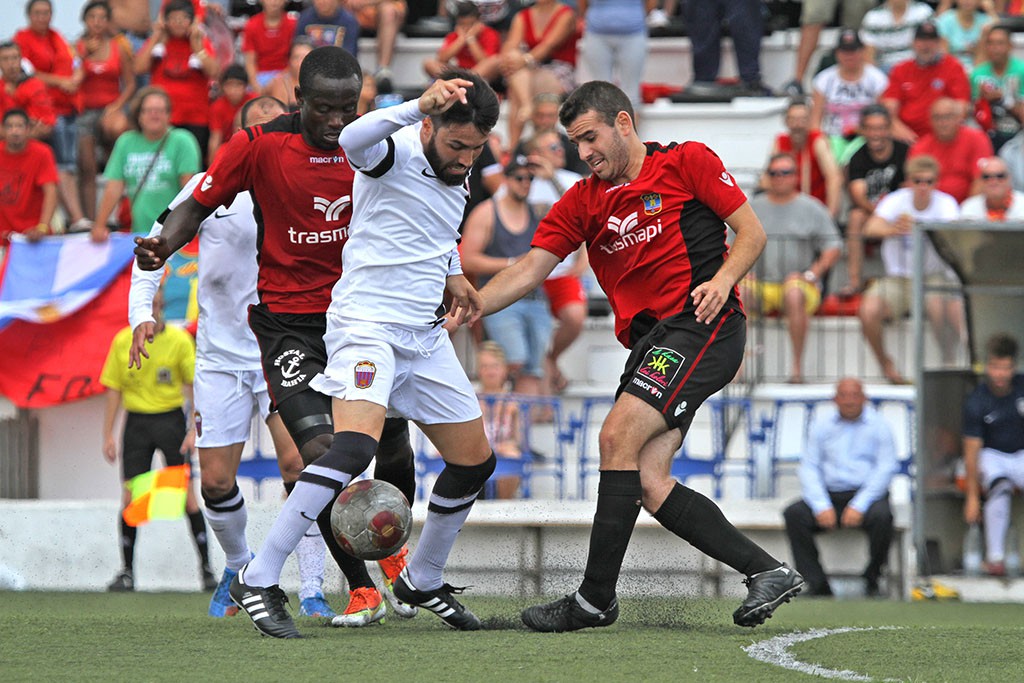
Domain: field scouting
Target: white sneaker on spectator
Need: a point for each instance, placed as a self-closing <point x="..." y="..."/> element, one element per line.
<point x="657" y="18"/>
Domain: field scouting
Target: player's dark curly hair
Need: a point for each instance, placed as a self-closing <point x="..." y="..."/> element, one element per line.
<point x="1001" y="345"/>
<point x="600" y="97"/>
<point x="481" y="108"/>
<point x="331" y="62"/>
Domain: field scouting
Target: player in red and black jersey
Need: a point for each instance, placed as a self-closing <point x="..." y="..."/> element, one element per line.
<point x="301" y="185"/>
<point x="653" y="218"/>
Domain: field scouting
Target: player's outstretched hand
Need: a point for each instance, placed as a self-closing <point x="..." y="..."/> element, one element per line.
<point x="146" y="249"/>
<point x="440" y="96"/>
<point x="141" y="335"/>
<point x="709" y="297"/>
<point x="467" y="305"/>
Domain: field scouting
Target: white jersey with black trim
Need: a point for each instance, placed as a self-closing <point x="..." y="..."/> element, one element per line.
<point x="226" y="287"/>
<point x="404" y="232"/>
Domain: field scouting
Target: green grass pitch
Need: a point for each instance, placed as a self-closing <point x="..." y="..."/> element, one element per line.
<point x="168" y="637"/>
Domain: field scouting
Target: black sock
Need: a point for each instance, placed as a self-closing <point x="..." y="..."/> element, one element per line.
<point x="128" y="546"/>
<point x="395" y="463"/>
<point x="618" y="505"/>
<point x="198" y="524"/>
<point x="353" y="568"/>
<point x="698" y="521"/>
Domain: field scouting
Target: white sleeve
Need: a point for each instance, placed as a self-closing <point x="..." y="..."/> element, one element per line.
<point x="365" y="140"/>
<point x="145" y="283"/>
<point x="454" y="262"/>
<point x="889" y="207"/>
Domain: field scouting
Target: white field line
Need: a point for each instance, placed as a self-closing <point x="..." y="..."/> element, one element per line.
<point x="776" y="651"/>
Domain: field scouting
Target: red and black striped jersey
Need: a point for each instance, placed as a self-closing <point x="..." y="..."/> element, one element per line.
<point x="652" y="240"/>
<point x="302" y="201"/>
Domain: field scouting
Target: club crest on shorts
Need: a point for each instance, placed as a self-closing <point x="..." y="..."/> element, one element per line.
<point x="365" y="372"/>
<point x="652" y="203"/>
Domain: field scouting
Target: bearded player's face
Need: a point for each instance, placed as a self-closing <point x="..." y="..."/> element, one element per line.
<point x="328" y="107"/>
<point x="452" y="150"/>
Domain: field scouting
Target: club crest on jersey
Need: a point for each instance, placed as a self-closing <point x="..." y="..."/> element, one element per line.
<point x="331" y="210"/>
<point x="365" y="371"/>
<point x="652" y="203"/>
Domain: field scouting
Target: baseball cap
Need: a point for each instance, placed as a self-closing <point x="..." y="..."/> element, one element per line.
<point x="516" y="162"/>
<point x="926" y="31"/>
<point x="849" y="41"/>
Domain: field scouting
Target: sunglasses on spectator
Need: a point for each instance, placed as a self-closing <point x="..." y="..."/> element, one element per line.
<point x="923" y="181"/>
<point x="993" y="176"/>
<point x="782" y="173"/>
<point x="521" y="178"/>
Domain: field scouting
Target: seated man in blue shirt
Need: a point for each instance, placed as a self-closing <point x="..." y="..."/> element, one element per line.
<point x="844" y="481"/>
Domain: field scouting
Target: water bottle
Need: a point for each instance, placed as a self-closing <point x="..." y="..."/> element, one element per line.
<point x="1012" y="553"/>
<point x="973" y="551"/>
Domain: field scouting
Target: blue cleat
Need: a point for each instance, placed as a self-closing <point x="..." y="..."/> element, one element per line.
<point x="220" y="603"/>
<point x="316" y="606"/>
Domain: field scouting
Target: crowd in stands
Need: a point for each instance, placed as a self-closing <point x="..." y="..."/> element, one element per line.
<point x="914" y="115"/>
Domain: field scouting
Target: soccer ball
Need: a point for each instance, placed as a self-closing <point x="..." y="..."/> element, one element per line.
<point x="371" y="519"/>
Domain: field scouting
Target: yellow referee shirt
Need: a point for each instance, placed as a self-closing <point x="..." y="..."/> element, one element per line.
<point x="156" y="388"/>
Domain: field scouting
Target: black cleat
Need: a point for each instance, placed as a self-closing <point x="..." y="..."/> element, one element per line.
<point x="441" y="601"/>
<point x="566" y="614"/>
<point x="124" y="582"/>
<point x="765" y="592"/>
<point x="266" y="608"/>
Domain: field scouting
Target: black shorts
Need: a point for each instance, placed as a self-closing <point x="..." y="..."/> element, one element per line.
<point x="144" y="434"/>
<point x="292" y="349"/>
<point x="680" y="362"/>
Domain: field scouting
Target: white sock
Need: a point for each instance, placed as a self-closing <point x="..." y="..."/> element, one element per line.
<point x="229" y="527"/>
<point x="997" y="520"/>
<point x="310" y="556"/>
<point x="304" y="504"/>
<point x="426" y="566"/>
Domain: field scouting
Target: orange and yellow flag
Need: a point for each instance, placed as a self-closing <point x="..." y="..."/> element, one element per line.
<point x="159" y="494"/>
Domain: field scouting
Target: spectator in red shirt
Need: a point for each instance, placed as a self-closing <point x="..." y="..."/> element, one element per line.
<point x="539" y="55"/>
<point x="108" y="84"/>
<point x="28" y="181"/>
<point x="57" y="66"/>
<point x="473" y="45"/>
<point x="265" y="43"/>
<point x="234" y="87"/>
<point x="916" y="83"/>
<point x="817" y="170"/>
<point x="957" y="148"/>
<point x="180" y="60"/>
<point x="21" y="91"/>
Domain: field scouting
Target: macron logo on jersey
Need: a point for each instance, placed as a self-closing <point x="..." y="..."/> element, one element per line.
<point x="207" y="183"/>
<point x="630" y="232"/>
<point x="726" y="178"/>
<point x="331" y="210"/>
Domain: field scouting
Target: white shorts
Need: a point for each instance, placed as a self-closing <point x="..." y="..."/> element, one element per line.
<point x="226" y="401"/>
<point x="993" y="464"/>
<point x="413" y="372"/>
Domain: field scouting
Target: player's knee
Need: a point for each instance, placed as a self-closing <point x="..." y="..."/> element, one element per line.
<point x="350" y="452"/>
<point x="459" y="481"/>
<point x="315" y="447"/>
<point x="613" y="445"/>
<point x="216" y="485"/>
<point x="1000" y="488"/>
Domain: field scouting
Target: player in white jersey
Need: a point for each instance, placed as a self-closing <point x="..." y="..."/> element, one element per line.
<point x="229" y="383"/>
<point x="385" y="345"/>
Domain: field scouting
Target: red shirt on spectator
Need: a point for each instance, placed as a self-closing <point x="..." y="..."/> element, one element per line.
<point x="22" y="176"/>
<point x="271" y="45"/>
<point x="812" y="180"/>
<point x="489" y="40"/>
<point x="178" y="72"/>
<point x="958" y="159"/>
<point x="50" y="54"/>
<point x="102" y="82"/>
<point x="222" y="115"/>
<point x="566" y="52"/>
<point x="30" y="95"/>
<point x="916" y="87"/>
